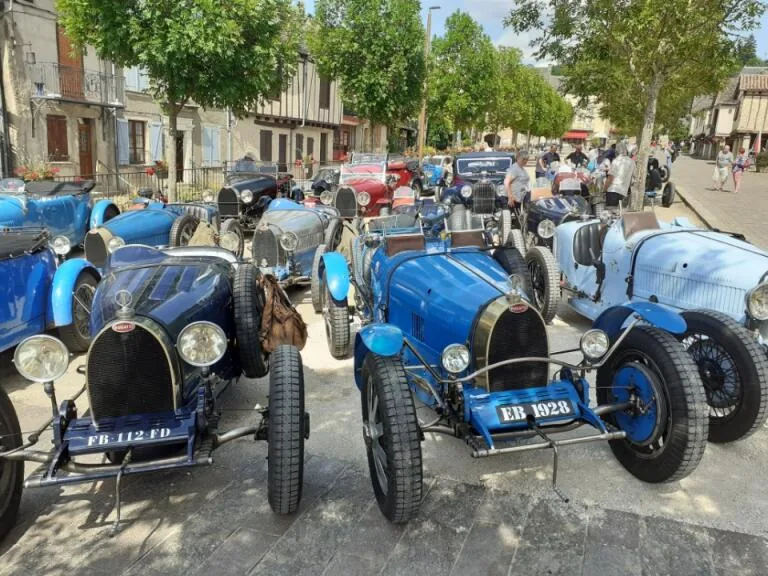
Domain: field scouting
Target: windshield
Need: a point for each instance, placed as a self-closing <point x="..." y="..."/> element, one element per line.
<point x="366" y="171"/>
<point x="11" y="186"/>
<point x="247" y="166"/>
<point x="478" y="165"/>
<point x="368" y="158"/>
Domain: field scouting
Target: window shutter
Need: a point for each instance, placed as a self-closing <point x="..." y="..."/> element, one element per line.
<point x="132" y="78"/>
<point x="206" y="146"/>
<point x="143" y="80"/>
<point x="156" y="141"/>
<point x="123" y="142"/>
<point x="215" y="146"/>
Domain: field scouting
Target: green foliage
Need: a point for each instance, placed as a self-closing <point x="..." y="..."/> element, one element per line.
<point x="745" y="52"/>
<point x="461" y="77"/>
<point x="639" y="58"/>
<point x="761" y="161"/>
<point x="374" y="48"/>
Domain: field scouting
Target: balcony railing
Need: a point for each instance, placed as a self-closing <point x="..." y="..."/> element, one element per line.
<point x="54" y="81"/>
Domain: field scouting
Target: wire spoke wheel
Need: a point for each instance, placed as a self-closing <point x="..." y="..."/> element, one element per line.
<point x="375" y="432"/>
<point x="718" y="372"/>
<point x="82" y="301"/>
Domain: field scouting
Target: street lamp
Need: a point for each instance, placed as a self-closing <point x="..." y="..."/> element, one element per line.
<point x="423" y="114"/>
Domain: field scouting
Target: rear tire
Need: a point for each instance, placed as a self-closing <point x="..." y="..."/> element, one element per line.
<point x="674" y="427"/>
<point x="249" y="304"/>
<point x="336" y="318"/>
<point x="77" y="335"/>
<point x="665" y="173"/>
<point x="316" y="285"/>
<point x="11" y="471"/>
<point x="517" y="240"/>
<point x="392" y="438"/>
<point x="182" y="230"/>
<point x="545" y="281"/>
<point x="668" y="194"/>
<point x="505" y="227"/>
<point x="513" y="262"/>
<point x="286" y="430"/>
<point x="734" y="370"/>
<point x="233" y="225"/>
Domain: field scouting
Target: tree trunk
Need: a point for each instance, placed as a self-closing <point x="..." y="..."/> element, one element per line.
<point x="637" y="196"/>
<point x="528" y="141"/>
<point x="170" y="151"/>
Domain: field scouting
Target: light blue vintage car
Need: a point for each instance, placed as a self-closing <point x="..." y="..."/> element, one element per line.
<point x="633" y="257"/>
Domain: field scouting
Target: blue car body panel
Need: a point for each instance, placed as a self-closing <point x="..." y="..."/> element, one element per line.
<point x="334" y="269"/>
<point x="613" y="319"/>
<point x="62" y="287"/>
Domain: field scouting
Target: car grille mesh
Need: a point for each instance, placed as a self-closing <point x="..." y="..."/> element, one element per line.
<point x="266" y="247"/>
<point x="518" y="336"/>
<point x="484" y="197"/>
<point x="346" y="202"/>
<point x="128" y="374"/>
<point x="229" y="204"/>
<point x="96" y="248"/>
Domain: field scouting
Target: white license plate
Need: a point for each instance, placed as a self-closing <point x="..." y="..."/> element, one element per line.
<point x="519" y="412"/>
<point x="110" y="438"/>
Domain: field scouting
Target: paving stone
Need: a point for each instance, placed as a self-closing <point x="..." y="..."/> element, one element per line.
<point x="544" y="561"/>
<point x="427" y="548"/>
<point x="375" y="536"/>
<point x="614" y="528"/>
<point x="553" y="524"/>
<point x="606" y="559"/>
<point x="487" y="551"/>
<point x="238" y="554"/>
<point x="352" y="565"/>
<point x="453" y="504"/>
<point x="675" y="549"/>
<point x="743" y="553"/>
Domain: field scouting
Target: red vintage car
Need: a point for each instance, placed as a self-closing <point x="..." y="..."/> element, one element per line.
<point x="365" y="187"/>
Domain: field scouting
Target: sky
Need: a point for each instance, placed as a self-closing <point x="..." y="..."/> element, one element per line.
<point x="490" y="13"/>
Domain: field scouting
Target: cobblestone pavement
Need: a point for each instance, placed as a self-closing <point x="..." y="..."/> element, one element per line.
<point x="745" y="212"/>
<point x="486" y="516"/>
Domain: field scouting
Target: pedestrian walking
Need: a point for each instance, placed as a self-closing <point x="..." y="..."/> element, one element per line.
<point x="740" y="165"/>
<point x="517" y="180"/>
<point x="669" y="153"/>
<point x="722" y="167"/>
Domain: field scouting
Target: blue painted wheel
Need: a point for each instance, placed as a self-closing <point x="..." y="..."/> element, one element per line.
<point x="635" y="382"/>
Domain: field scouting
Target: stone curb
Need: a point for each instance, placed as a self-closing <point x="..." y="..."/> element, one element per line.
<point x="698" y="208"/>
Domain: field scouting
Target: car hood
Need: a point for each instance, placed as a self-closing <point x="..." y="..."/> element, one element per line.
<point x="11" y="210"/>
<point x="137" y="223"/>
<point x="697" y="269"/>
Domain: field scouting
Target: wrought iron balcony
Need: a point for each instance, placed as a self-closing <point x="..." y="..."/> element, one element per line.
<point x="53" y="81"/>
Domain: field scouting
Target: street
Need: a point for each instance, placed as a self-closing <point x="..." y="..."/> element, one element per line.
<point x="485" y="516"/>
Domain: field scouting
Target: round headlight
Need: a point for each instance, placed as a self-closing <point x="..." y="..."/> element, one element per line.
<point x="61" y="245"/>
<point x="230" y="241"/>
<point x="208" y="196"/>
<point x="41" y="358"/>
<point x="594" y="344"/>
<point x="114" y="243"/>
<point x="202" y="344"/>
<point x="246" y="196"/>
<point x="326" y="197"/>
<point x="289" y="241"/>
<point x="500" y="190"/>
<point x="466" y="191"/>
<point x="605" y="217"/>
<point x="363" y="198"/>
<point x="757" y="302"/>
<point x="455" y="358"/>
<point x="546" y="229"/>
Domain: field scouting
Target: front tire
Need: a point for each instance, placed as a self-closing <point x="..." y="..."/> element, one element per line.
<point x="517" y="240"/>
<point x="77" y="335"/>
<point x="545" y="281"/>
<point x="249" y="305"/>
<point x="505" y="227"/>
<point x="392" y="438"/>
<point x="734" y="370"/>
<point x="667" y="433"/>
<point x="336" y="318"/>
<point x="316" y="285"/>
<point x="286" y="430"/>
<point x="11" y="471"/>
<point x="182" y="230"/>
<point x="512" y="261"/>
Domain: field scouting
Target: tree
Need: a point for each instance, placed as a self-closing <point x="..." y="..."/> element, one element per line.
<point x="461" y="80"/>
<point x="745" y="50"/>
<point x="628" y="54"/>
<point x="372" y="48"/>
<point x="216" y="53"/>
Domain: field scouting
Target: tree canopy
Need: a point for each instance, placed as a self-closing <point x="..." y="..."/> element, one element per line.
<point x="373" y="48"/>
<point x="639" y="58"/>
<point x="216" y="53"/>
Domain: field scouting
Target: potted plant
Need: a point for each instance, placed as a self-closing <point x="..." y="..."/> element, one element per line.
<point x="160" y="169"/>
<point x="32" y="171"/>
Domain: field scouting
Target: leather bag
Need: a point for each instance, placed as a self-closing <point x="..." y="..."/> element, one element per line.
<point x="280" y="321"/>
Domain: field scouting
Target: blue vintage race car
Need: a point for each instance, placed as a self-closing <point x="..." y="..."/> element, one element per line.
<point x="432" y="167"/>
<point x="635" y="258"/>
<point x="63" y="208"/>
<point x="451" y="327"/>
<point x="171" y="330"/>
<point x="154" y="223"/>
<point x="39" y="293"/>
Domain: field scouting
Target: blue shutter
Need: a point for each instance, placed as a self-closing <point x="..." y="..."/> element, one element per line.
<point x="215" y="147"/>
<point x="206" y="146"/>
<point x="156" y="140"/>
<point x="143" y="80"/>
<point x="132" y="78"/>
<point x="122" y="141"/>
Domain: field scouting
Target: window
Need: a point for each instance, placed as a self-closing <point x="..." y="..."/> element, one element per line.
<point x="282" y="148"/>
<point x="136" y="79"/>
<point x="136" y="131"/>
<point x="299" y="146"/>
<point x="311" y="147"/>
<point x="325" y="93"/>
<point x="211" y="146"/>
<point x="323" y="147"/>
<point x="265" y="145"/>
<point x="58" y="151"/>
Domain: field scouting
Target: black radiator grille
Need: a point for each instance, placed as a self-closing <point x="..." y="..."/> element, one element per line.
<point x="266" y="248"/>
<point x="229" y="204"/>
<point x="128" y="373"/>
<point x="95" y="249"/>
<point x="484" y="197"/>
<point x="346" y="202"/>
<point x="517" y="336"/>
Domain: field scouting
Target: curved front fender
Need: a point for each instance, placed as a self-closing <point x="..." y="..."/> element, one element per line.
<point x="97" y="212"/>
<point x="381" y="339"/>
<point x="60" y="302"/>
<point x="612" y="319"/>
<point x="336" y="271"/>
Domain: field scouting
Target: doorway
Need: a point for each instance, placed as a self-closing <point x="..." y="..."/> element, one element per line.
<point x="85" y="146"/>
<point x="179" y="156"/>
<point x="70" y="68"/>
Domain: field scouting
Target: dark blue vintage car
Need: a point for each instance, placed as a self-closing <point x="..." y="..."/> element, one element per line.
<point x="40" y="293"/>
<point x="63" y="208"/>
<point x="172" y="328"/>
<point x="450" y="326"/>
<point x="158" y="224"/>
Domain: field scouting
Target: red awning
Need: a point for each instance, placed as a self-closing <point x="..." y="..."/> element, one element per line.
<point x="576" y="135"/>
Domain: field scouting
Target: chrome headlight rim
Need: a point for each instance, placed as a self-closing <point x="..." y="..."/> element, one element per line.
<point x="219" y="346"/>
<point x="326" y="197"/>
<point x="20" y="358"/>
<point x="594" y="344"/>
<point x="753" y="309"/>
<point x="500" y="190"/>
<point x="114" y="243"/>
<point x="61" y="245"/>
<point x="466" y="191"/>
<point x="208" y="197"/>
<point x="246" y="196"/>
<point x="363" y="198"/>
<point x="546" y="229"/>
<point x="455" y="358"/>
<point x="289" y="241"/>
